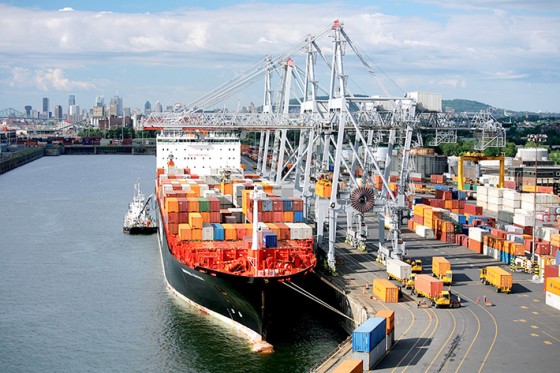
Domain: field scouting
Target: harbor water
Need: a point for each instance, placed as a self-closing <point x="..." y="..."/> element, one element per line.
<point x="76" y="294"/>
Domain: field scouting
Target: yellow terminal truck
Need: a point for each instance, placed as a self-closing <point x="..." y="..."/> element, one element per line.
<point x="432" y="288"/>
<point x="415" y="265"/>
<point x="498" y="277"/>
<point x="441" y="268"/>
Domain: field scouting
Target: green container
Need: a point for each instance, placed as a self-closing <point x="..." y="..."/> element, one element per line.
<point x="203" y="205"/>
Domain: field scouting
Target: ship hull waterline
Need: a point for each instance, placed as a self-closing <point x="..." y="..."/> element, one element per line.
<point x="247" y="304"/>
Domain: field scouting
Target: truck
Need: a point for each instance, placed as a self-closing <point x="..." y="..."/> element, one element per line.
<point x="398" y="270"/>
<point x="497" y="277"/>
<point x="415" y="265"/>
<point x="441" y="268"/>
<point x="433" y="289"/>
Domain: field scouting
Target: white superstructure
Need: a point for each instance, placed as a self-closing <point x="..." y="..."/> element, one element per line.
<point x="202" y="153"/>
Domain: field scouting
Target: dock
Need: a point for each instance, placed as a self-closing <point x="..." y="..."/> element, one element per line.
<point x="474" y="337"/>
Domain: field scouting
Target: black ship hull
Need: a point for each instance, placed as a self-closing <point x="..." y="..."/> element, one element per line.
<point x="248" y="304"/>
<point x="140" y="230"/>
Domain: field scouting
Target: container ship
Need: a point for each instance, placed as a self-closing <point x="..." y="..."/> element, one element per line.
<point x="229" y="241"/>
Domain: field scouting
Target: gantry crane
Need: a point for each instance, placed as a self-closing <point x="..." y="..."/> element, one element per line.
<point x="334" y="133"/>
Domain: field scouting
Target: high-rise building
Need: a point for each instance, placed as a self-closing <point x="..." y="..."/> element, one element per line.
<point x="99" y="101"/>
<point x="71" y="100"/>
<point x="147" y="107"/>
<point x="116" y="106"/>
<point x="46" y="107"/>
<point x="158" y="108"/>
<point x="58" y="112"/>
<point x="28" y="109"/>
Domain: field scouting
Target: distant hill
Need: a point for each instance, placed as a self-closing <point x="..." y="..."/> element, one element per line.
<point x="460" y="106"/>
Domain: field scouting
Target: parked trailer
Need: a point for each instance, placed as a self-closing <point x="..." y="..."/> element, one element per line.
<point x="432" y="288"/>
<point x="398" y="270"/>
<point x="441" y="268"/>
<point x="498" y="277"/>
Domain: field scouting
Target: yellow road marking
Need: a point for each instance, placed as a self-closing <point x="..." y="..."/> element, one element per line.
<point x="534" y="326"/>
<point x="534" y="335"/>
<point x="524" y="307"/>
<point x="475" y="336"/>
<point x="448" y="338"/>
<point x="426" y="341"/>
<point x="535" y="313"/>
<point x="425" y="330"/>
<point x="547" y="342"/>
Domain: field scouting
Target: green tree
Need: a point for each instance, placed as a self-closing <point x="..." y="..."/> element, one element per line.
<point x="555" y="156"/>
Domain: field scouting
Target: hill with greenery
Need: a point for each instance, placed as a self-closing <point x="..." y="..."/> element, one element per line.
<point x="460" y="106"/>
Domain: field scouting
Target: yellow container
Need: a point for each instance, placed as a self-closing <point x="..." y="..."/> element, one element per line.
<point x="553" y="285"/>
<point x="385" y="290"/>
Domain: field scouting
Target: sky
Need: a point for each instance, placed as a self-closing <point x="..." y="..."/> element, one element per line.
<point x="505" y="53"/>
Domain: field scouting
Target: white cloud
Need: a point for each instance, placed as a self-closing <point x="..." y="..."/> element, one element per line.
<point x="445" y="49"/>
<point x="55" y="79"/>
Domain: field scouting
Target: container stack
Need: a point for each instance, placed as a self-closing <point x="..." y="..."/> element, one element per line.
<point x="476" y="239"/>
<point x="369" y="341"/>
<point x="385" y="290"/>
<point x="389" y="316"/>
<point x="482" y="196"/>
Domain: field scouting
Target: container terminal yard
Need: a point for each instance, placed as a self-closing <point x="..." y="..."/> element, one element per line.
<point x="383" y="205"/>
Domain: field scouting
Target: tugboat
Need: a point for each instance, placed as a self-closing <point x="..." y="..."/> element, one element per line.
<point x="138" y="219"/>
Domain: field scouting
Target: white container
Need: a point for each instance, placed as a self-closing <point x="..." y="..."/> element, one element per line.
<point x="494" y="192"/>
<point x="511" y="195"/>
<point x="552" y="300"/>
<point x="207" y="232"/>
<point x="477" y="234"/>
<point x="372" y="357"/>
<point x="424" y="231"/>
<point x="544" y="233"/>
<point x="482" y="190"/>
<point x="484" y="205"/>
<point x="482" y="198"/>
<point x="398" y="269"/>
<point x="523" y="220"/>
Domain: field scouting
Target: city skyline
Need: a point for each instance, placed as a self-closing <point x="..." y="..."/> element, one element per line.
<point x="505" y="54"/>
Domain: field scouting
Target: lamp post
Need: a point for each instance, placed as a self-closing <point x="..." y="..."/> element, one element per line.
<point x="538" y="139"/>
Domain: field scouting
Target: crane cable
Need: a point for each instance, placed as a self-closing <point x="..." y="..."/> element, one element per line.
<point x="304" y="292"/>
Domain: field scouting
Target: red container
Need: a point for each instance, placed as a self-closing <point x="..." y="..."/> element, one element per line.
<point x="277" y="216"/>
<point x="428" y="286"/>
<point x="297" y="204"/>
<point x="473" y="209"/>
<point x="542" y="249"/>
<point x="551" y="270"/>
<point x="498" y="232"/>
<point x="215" y="217"/>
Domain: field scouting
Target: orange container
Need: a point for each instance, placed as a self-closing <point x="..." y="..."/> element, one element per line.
<point x="350" y="366"/>
<point x="389" y="316"/>
<point x="385" y="290"/>
<point x="289" y="216"/>
<point x="185" y="232"/>
<point x="196" y="234"/>
<point x="195" y="220"/>
<point x="171" y="204"/>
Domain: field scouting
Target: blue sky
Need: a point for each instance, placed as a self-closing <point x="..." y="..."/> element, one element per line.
<point x="502" y="52"/>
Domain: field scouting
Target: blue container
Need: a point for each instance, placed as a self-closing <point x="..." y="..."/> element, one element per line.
<point x="417" y="200"/>
<point x="461" y="195"/>
<point x="269" y="240"/>
<point x="442" y="187"/>
<point x="266" y="205"/>
<point x="558" y="257"/>
<point x="288" y="204"/>
<point x="219" y="234"/>
<point x="298" y="216"/>
<point x="461" y="219"/>
<point x="368" y="335"/>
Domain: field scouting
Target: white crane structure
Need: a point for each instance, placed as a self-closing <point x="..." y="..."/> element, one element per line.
<point x="317" y="132"/>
